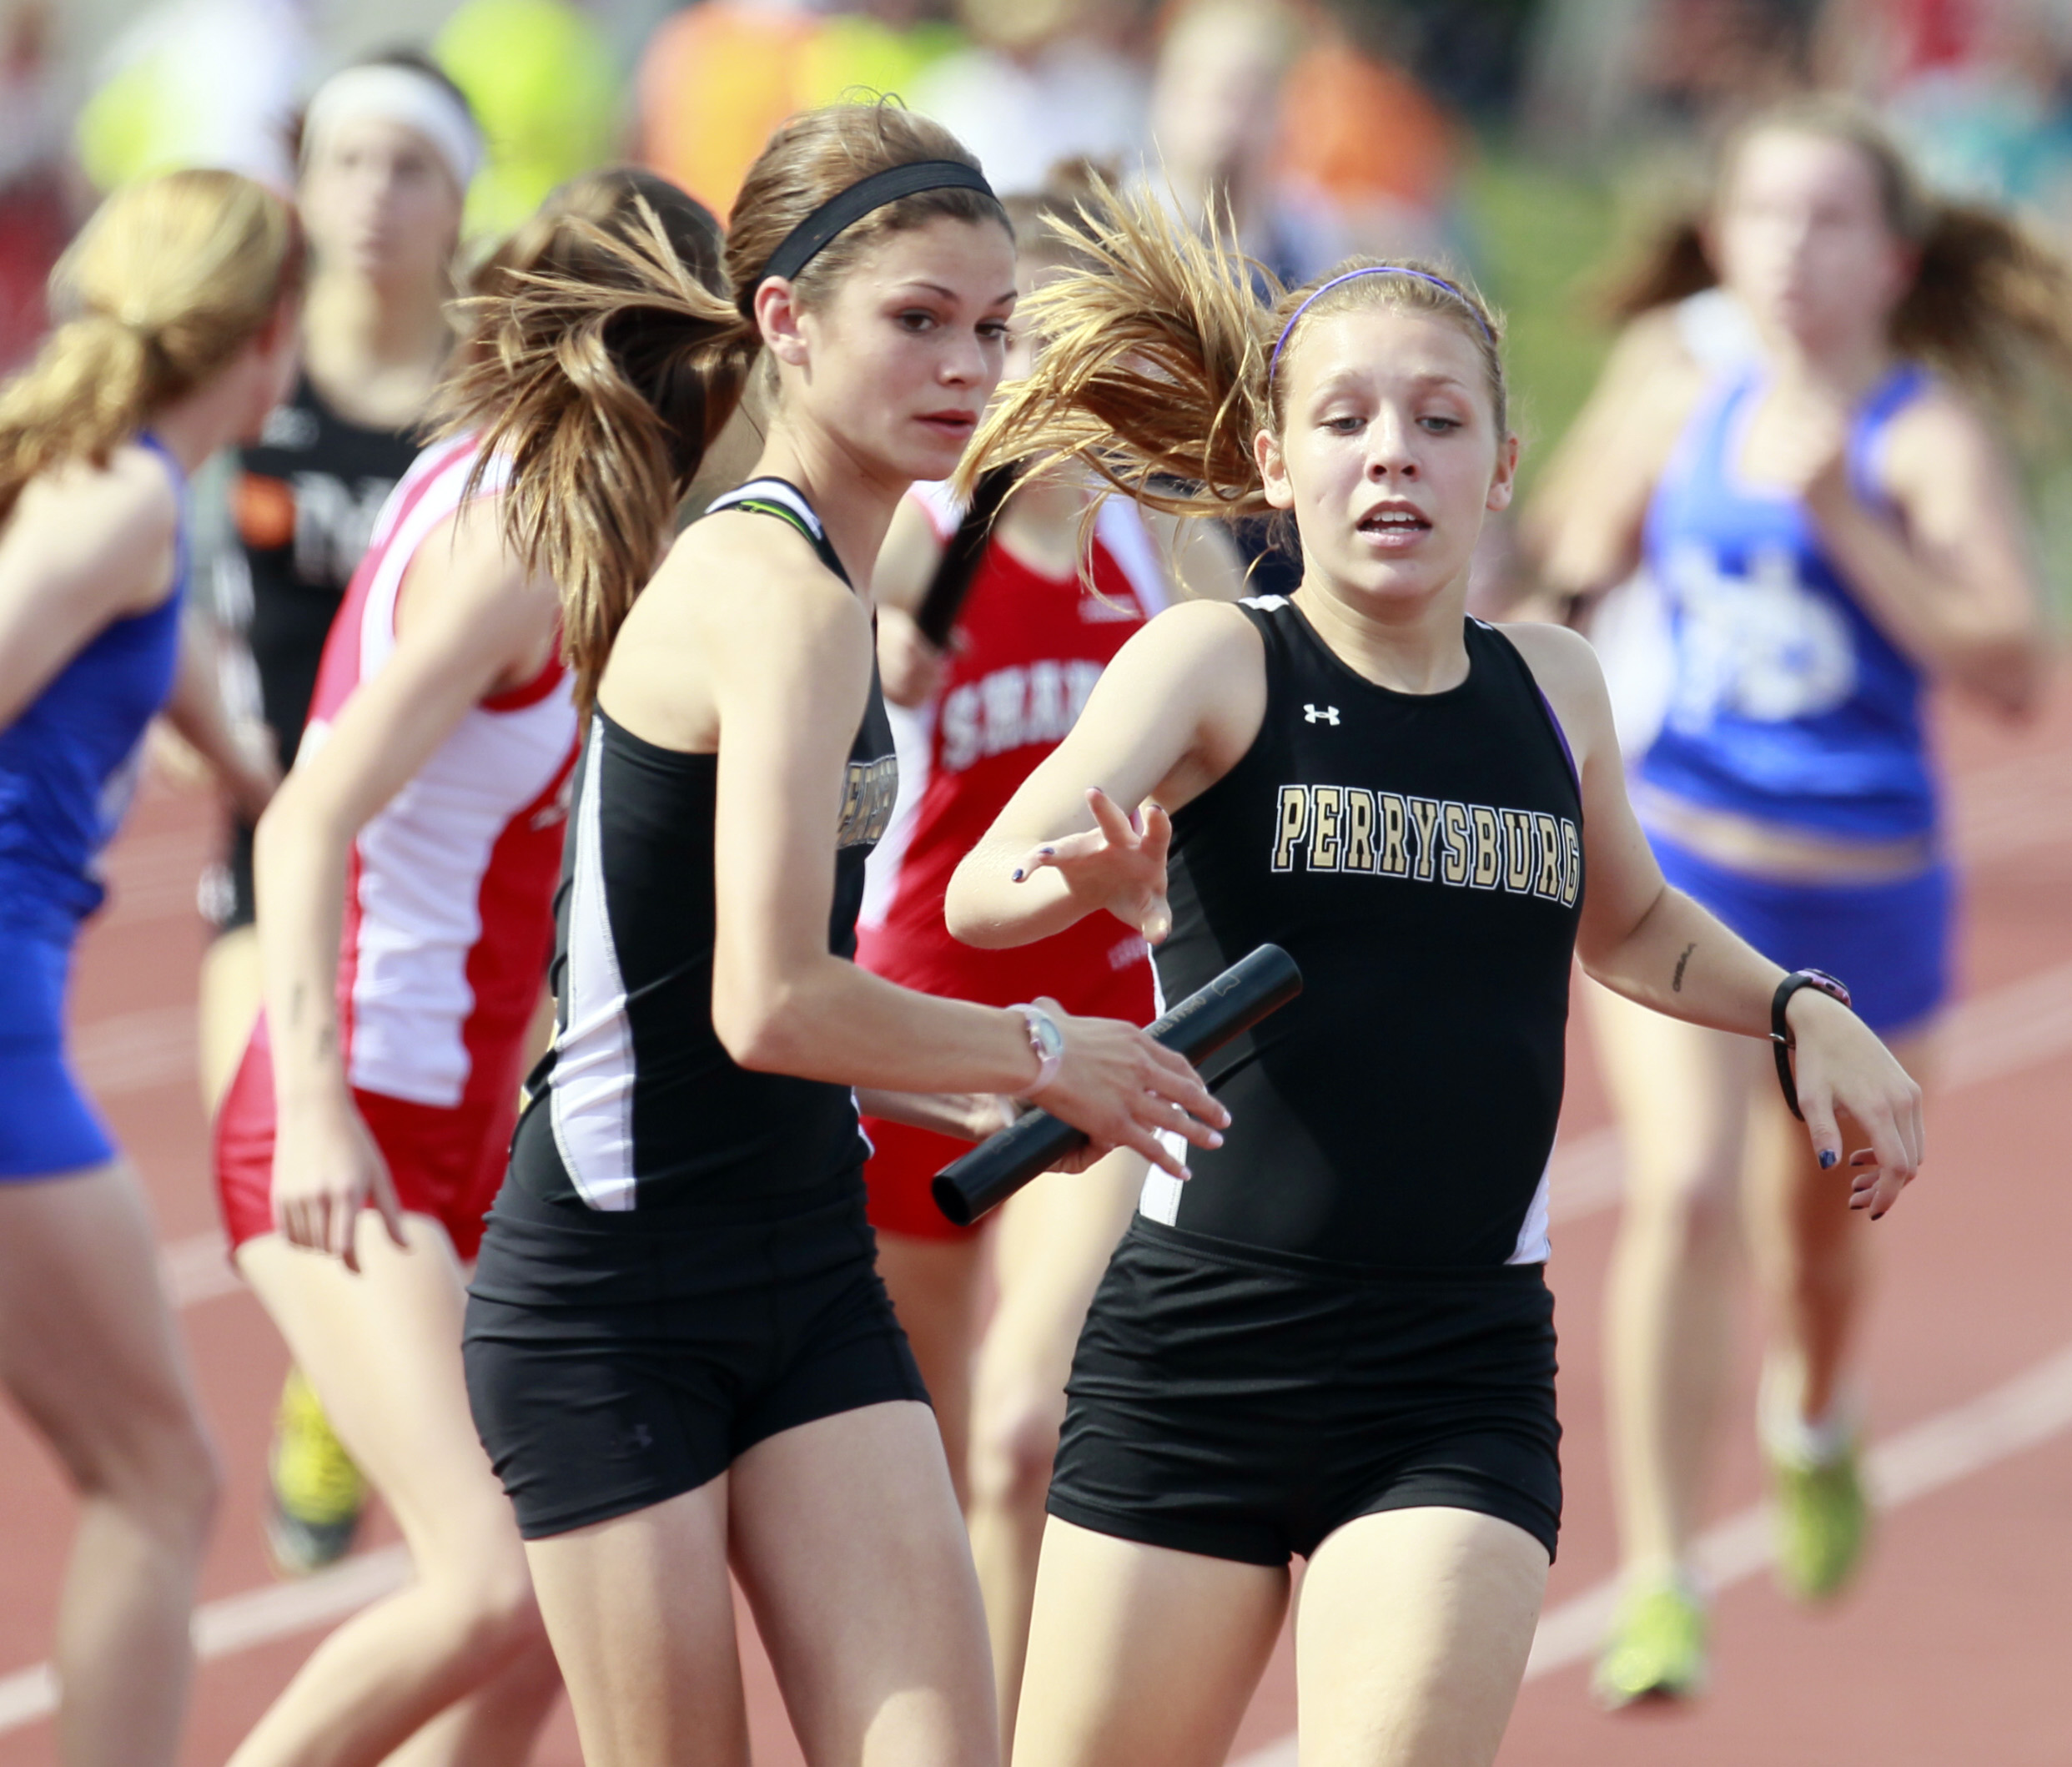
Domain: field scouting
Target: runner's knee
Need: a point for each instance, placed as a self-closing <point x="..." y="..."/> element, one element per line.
<point x="1011" y="1451"/>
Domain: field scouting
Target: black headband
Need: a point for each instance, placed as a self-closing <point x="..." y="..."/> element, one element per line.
<point x="846" y="207"/>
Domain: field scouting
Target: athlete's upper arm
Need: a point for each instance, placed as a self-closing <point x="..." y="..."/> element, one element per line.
<point x="1201" y="557"/>
<point x="1173" y="713"/>
<point x="471" y="616"/>
<point x="85" y="545"/>
<point x="1582" y="525"/>
<point x="789" y="667"/>
<point x="907" y="562"/>
<point x="1955" y="490"/>
<point x="1621" y="879"/>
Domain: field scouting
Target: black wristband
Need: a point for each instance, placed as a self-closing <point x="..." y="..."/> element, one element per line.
<point x="1780" y="1032"/>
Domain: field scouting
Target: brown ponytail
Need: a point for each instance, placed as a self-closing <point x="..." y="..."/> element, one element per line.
<point x="168" y="281"/>
<point x="604" y="358"/>
<point x="1989" y="302"/>
<point x="1157" y="370"/>
<point x="607" y="367"/>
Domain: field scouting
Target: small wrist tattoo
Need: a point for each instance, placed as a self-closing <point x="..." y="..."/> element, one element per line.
<point x="1676" y="982"/>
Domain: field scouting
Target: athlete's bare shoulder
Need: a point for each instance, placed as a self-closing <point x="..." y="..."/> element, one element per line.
<point x="1569" y="674"/>
<point x="109" y="524"/>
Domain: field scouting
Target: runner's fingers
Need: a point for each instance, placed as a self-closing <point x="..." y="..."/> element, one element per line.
<point x="1057" y="853"/>
<point x="1109" y="818"/>
<point x="391" y="1210"/>
<point x="1818" y="1110"/>
<point x="1175" y="1082"/>
<point x="1154" y="1149"/>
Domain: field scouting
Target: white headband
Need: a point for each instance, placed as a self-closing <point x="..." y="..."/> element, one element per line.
<point x="401" y="95"/>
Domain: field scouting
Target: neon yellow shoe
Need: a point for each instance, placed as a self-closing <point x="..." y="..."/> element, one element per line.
<point x="317" y="1494"/>
<point x="1656" y="1648"/>
<point x="1819" y="1521"/>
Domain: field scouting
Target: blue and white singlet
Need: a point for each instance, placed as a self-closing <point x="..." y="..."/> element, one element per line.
<point x="1788" y="704"/>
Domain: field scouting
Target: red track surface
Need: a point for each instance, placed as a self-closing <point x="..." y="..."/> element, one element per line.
<point x="1952" y="1648"/>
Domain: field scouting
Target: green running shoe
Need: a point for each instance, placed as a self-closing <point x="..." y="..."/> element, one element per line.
<point x="1656" y="1648"/>
<point x="317" y="1494"/>
<point x="1819" y="1520"/>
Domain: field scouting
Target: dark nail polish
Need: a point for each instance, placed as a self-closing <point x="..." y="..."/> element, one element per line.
<point x="1827" y="1158"/>
<point x="1017" y="878"/>
<point x="1048" y="853"/>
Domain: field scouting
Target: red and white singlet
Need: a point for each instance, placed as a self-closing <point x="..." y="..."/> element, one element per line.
<point x="1029" y="649"/>
<point x="449" y="909"/>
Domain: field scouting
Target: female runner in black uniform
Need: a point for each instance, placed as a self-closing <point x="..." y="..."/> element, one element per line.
<point x="1336" y="1340"/>
<point x="678" y="1350"/>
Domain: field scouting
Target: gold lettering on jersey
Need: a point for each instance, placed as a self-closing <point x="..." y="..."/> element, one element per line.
<point x="1359" y="830"/>
<point x="869" y="792"/>
<point x="1325" y="801"/>
<point x="1294" y="819"/>
<point x="1517" y="851"/>
<point x="1547" y="833"/>
<point x="1453" y="818"/>
<point x="1349" y="829"/>
<point x="1424" y="814"/>
<point x="1488" y="847"/>
<point x="1394" y="862"/>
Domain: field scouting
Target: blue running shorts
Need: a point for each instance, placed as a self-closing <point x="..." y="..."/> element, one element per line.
<point x="47" y="1126"/>
<point x="1888" y="942"/>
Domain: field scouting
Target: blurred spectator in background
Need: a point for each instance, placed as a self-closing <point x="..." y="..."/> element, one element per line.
<point x="1215" y="117"/>
<point x="540" y="77"/>
<point x="885" y="48"/>
<point x="1360" y="131"/>
<point x="1043" y="81"/>
<point x="1978" y="94"/>
<point x="717" y="78"/>
<point x="35" y="219"/>
<point x="198" y="82"/>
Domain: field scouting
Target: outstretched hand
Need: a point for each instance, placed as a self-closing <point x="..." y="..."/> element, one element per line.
<point x="1118" y="864"/>
<point x="1841" y="1067"/>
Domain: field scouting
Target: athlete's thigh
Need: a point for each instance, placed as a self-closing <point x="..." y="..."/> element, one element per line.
<point x="847" y="1540"/>
<point x="1411" y="1636"/>
<point x="1140" y="1656"/>
<point x="641" y="1614"/>
<point x="1681" y="1092"/>
<point x="228" y="1009"/>
<point x="1055" y="1239"/>
<point x="382" y="1349"/>
<point x="88" y="1344"/>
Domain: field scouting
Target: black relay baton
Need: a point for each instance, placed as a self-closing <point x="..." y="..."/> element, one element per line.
<point x="1231" y="1004"/>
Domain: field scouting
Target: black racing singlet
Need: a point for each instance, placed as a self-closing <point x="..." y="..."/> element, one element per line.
<point x="1420" y="855"/>
<point x="306" y="497"/>
<point x="642" y="1104"/>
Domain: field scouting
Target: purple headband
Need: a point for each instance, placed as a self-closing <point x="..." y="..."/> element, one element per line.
<point x="1375" y="269"/>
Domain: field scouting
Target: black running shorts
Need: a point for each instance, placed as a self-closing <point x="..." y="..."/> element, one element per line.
<point x="617" y="1360"/>
<point x="1244" y="1404"/>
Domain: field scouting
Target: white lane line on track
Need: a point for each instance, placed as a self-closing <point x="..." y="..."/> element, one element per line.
<point x="1940" y="1451"/>
<point x="240" y="1623"/>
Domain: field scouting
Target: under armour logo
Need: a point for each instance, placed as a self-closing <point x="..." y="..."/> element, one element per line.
<point x="1310" y="715"/>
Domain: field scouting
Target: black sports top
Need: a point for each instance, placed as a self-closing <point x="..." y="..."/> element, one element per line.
<point x="306" y="498"/>
<point x="642" y="1104"/>
<point x="1420" y="856"/>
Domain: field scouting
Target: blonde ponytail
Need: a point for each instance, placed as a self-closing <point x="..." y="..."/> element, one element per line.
<point x="1154" y="370"/>
<point x="1157" y="370"/>
<point x="167" y="282"/>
